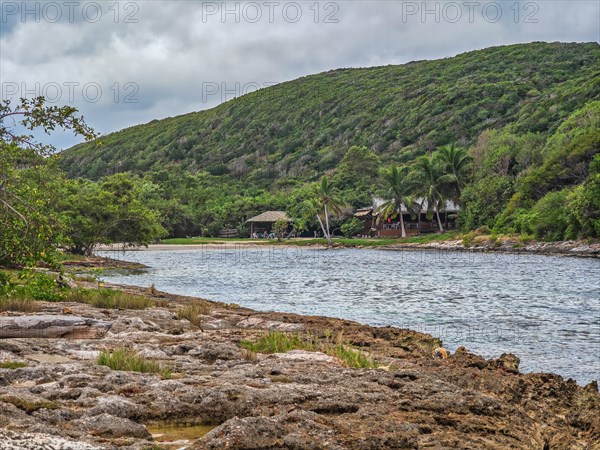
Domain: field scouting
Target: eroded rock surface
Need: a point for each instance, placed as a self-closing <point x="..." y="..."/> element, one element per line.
<point x="299" y="400"/>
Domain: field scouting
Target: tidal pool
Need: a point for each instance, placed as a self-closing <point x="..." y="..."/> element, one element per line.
<point x="544" y="309"/>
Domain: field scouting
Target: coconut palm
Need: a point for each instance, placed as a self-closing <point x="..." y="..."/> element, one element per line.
<point x="458" y="164"/>
<point x="432" y="183"/>
<point x="399" y="191"/>
<point x="326" y="201"/>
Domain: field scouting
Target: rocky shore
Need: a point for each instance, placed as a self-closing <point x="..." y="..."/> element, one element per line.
<point x="564" y="248"/>
<point x="220" y="395"/>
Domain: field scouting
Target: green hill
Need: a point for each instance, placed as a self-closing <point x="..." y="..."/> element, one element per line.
<point x="397" y="111"/>
<point x="277" y="139"/>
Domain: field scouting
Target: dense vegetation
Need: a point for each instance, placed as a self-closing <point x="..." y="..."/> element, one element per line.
<point x="511" y="133"/>
<point x="527" y="114"/>
<point x="41" y="211"/>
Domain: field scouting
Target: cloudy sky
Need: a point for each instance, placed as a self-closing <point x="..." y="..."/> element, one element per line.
<point x="125" y="63"/>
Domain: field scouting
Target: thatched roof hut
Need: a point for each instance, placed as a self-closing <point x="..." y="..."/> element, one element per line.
<point x="264" y="222"/>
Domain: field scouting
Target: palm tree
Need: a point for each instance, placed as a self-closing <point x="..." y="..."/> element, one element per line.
<point x="325" y="200"/>
<point x="458" y="164"/>
<point x="433" y="183"/>
<point x="399" y="190"/>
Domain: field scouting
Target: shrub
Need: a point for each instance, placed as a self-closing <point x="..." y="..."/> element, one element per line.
<point x="468" y="238"/>
<point x="549" y="217"/>
<point x="39" y="286"/>
<point x="351" y="227"/>
<point x="128" y="360"/>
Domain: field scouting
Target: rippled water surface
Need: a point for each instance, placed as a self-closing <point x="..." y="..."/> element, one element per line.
<point x="546" y="310"/>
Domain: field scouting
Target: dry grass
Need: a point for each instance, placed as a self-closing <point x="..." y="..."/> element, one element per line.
<point x="194" y="312"/>
<point x="21" y="304"/>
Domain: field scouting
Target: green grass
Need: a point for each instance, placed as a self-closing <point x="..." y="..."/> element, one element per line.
<point x="12" y="365"/>
<point x="280" y="342"/>
<point x="194" y="241"/>
<point x="373" y="242"/>
<point x="128" y="360"/>
<point x="108" y="299"/>
<point x="352" y="357"/>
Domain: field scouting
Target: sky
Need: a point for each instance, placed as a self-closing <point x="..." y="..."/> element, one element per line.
<point x="129" y="62"/>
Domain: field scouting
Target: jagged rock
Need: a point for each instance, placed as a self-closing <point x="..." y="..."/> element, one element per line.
<point x="298" y="399"/>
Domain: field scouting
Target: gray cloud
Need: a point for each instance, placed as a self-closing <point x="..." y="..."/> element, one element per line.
<point x="168" y="51"/>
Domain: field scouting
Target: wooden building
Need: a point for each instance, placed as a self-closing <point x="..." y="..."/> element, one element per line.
<point x="263" y="223"/>
<point x="414" y="224"/>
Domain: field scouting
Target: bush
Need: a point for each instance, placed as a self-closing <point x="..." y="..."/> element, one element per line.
<point x="40" y="286"/>
<point x="352" y="227"/>
<point x="549" y="217"/>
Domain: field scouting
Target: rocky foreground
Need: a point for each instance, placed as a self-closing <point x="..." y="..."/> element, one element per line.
<point x="63" y="399"/>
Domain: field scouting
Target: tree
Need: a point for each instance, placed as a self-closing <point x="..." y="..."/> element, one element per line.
<point x="279" y="229"/>
<point x="432" y="183"/>
<point x="31" y="229"/>
<point x="325" y="200"/>
<point x="107" y="212"/>
<point x="458" y="165"/>
<point x="399" y="190"/>
<point x="33" y="114"/>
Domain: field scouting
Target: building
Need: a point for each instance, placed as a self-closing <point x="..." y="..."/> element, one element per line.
<point x="263" y="223"/>
<point x="414" y="224"/>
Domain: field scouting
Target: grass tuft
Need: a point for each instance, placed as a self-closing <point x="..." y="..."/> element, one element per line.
<point x="12" y="364"/>
<point x="194" y="312"/>
<point x="128" y="360"/>
<point x="281" y="342"/>
<point x="108" y="299"/>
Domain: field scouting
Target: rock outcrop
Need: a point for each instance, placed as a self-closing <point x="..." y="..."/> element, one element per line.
<point x="418" y="398"/>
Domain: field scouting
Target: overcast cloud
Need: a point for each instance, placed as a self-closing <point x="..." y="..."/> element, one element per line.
<point x="155" y="59"/>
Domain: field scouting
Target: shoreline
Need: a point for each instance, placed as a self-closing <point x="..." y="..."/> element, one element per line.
<point x="506" y="246"/>
<point x="419" y="396"/>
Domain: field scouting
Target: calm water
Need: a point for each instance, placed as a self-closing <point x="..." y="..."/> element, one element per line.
<point x="546" y="310"/>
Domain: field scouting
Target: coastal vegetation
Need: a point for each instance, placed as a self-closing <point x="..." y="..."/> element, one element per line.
<point x="526" y="116"/>
<point x="514" y="143"/>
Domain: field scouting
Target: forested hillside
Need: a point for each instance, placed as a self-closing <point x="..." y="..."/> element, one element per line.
<point x="526" y="114"/>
